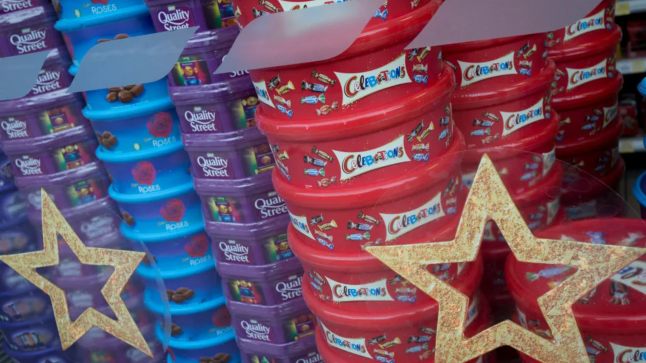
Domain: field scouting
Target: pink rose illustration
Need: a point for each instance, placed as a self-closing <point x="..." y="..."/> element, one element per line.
<point x="173" y="211"/>
<point x="144" y="173"/>
<point x="160" y="125"/>
<point x="197" y="246"/>
<point x="221" y="318"/>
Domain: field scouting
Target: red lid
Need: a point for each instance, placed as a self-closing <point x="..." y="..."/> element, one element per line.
<point x="617" y="304"/>
<point x="589" y="187"/>
<point x="599" y="141"/>
<point x="606" y="43"/>
<point x="610" y="88"/>
<point x="481" y="44"/>
<point x="377" y="119"/>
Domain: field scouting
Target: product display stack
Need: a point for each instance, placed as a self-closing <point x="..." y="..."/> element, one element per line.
<point x="585" y="94"/>
<point x="357" y="141"/>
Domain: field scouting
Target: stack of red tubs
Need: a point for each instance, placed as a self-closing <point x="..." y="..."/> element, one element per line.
<point x="585" y="93"/>
<point x="357" y="142"/>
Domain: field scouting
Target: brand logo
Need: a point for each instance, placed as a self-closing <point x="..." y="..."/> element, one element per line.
<point x="47" y="82"/>
<point x="517" y="120"/>
<point x="360" y="85"/>
<point x="234" y="252"/>
<point x="628" y="354"/>
<point x="13" y="5"/>
<point x="201" y="121"/>
<point x="263" y="93"/>
<point x="548" y="161"/>
<point x="361" y="162"/>
<point x="178" y="225"/>
<point x="15" y="129"/>
<point x="29" y="41"/>
<point x="300" y="223"/>
<point x="476" y="72"/>
<point x="255" y="330"/>
<point x="354" y="346"/>
<point x="174" y="19"/>
<point x="402" y="223"/>
<point x="98" y="226"/>
<point x="374" y="291"/>
<point x="313" y="357"/>
<point x="290" y="289"/>
<point x="213" y="166"/>
<point x="272" y="206"/>
<point x="585" y="25"/>
<point x="578" y="77"/>
<point x="609" y="114"/>
<point x="29" y="166"/>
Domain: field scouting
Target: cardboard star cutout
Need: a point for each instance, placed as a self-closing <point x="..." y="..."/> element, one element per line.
<point x="490" y="200"/>
<point x="124" y="263"/>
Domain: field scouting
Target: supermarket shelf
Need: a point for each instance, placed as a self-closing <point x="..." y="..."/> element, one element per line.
<point x="628" y="7"/>
<point x="633" y="144"/>
<point x="631" y="65"/>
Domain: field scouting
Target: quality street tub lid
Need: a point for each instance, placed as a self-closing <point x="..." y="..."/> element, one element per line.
<point x="62" y="178"/>
<point x="27" y="18"/>
<point x="292" y="349"/>
<point x="211" y="93"/>
<point x="229" y="141"/>
<point x="270" y="272"/>
<point x="234" y="187"/>
<point x="251" y="231"/>
<point x="27" y="105"/>
<point x="220" y="39"/>
<point x="278" y="312"/>
<point x="48" y="142"/>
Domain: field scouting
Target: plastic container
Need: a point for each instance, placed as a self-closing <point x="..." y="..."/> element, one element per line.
<point x="260" y="243"/>
<point x="169" y="15"/>
<point x="84" y="292"/>
<point x="501" y="63"/>
<point x="28" y="31"/>
<point x="31" y="335"/>
<point x="54" y="75"/>
<point x="148" y="171"/>
<point x="248" y="10"/>
<point x="508" y="114"/>
<point x="299" y="351"/>
<point x="608" y="317"/>
<point x="224" y="347"/>
<point x="598" y="22"/>
<point x="68" y="10"/>
<point x="10" y="6"/>
<point x="360" y="150"/>
<point x="53" y="153"/>
<point x="360" y="283"/>
<point x="639" y="190"/>
<point x="278" y="324"/>
<point x="170" y="210"/>
<point x="202" y="55"/>
<point x="262" y="285"/>
<point x="377" y="51"/>
<point x="16" y="236"/>
<point x="585" y="67"/>
<point x="248" y="200"/>
<point x="596" y="155"/>
<point x="13" y="208"/>
<point x="43" y="355"/>
<point x="387" y="212"/>
<point x="98" y="347"/>
<point x="68" y="189"/>
<point x="216" y="108"/>
<point x="43" y="115"/>
<point x="233" y="155"/>
<point x="20" y="306"/>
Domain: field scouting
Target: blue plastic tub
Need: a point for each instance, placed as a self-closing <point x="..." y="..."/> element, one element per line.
<point x="181" y="351"/>
<point x="72" y="9"/>
<point x="639" y="190"/>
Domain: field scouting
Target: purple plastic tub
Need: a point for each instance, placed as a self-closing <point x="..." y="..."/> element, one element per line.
<point x="202" y="56"/>
<point x="43" y="115"/>
<point x="13" y="207"/>
<point x="54" y="75"/>
<point x="53" y="355"/>
<point x="10" y="6"/>
<point x="28" y="31"/>
<point x="68" y="189"/>
<point x="300" y="351"/>
<point x="216" y="108"/>
<point x="278" y="324"/>
<point x="20" y="306"/>
<point x="234" y="155"/>
<point x="6" y="174"/>
<point x="258" y="244"/>
<point x="30" y="335"/>
<point x="262" y="285"/>
<point x="50" y="154"/>
<point x="182" y="351"/>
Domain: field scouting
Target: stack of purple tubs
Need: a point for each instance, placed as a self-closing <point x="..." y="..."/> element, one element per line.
<point x="247" y="221"/>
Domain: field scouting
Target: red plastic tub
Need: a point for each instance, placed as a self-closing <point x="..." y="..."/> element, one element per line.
<point x="598" y="22"/>
<point x="361" y="150"/>
<point x="610" y="317"/>
<point x="407" y="209"/>
<point x="374" y="72"/>
<point x="506" y="114"/>
<point x="248" y="10"/>
<point x="501" y="62"/>
<point x="585" y="67"/>
<point x="597" y="155"/>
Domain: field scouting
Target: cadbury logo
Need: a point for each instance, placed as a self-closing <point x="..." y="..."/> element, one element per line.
<point x="15" y="129"/>
<point x="213" y="166"/>
<point x="47" y="82"/>
<point x="201" y="121"/>
<point x="272" y="206"/>
<point x="13" y="5"/>
<point x="173" y="20"/>
<point x="30" y="41"/>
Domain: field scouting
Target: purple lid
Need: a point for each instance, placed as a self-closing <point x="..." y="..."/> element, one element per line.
<point x="234" y="187"/>
<point x="268" y="272"/>
<point x="27" y="18"/>
<point x="258" y="230"/>
<point x="212" y="40"/>
<point x="83" y="210"/>
<point x="291" y="349"/>
<point x="58" y="55"/>
<point x="69" y="136"/>
<point x="61" y="178"/>
<point x="212" y="92"/>
<point x="278" y="312"/>
<point x="41" y="102"/>
<point x="228" y="141"/>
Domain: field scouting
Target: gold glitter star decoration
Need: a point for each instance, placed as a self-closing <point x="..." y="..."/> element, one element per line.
<point x="489" y="200"/>
<point x="124" y="263"/>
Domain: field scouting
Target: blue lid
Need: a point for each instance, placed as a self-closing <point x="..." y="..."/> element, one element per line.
<point x="641" y="87"/>
<point x="29" y="354"/>
<point x="128" y="157"/>
<point x="201" y="344"/>
<point x="69" y="25"/>
<point x="161" y="236"/>
<point x="130" y="111"/>
<point x="155" y="305"/>
<point x="151" y="197"/>
<point x="149" y="272"/>
<point x="639" y="189"/>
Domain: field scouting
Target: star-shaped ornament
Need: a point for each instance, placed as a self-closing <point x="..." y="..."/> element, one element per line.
<point x="489" y="200"/>
<point x="124" y="263"/>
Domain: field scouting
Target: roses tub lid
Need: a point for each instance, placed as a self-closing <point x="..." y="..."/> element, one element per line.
<point x="234" y="187"/>
<point x="69" y="25"/>
<point x="617" y="304"/>
<point x="270" y="272"/>
<point x="48" y="142"/>
<point x="292" y="349"/>
<point x="27" y="18"/>
<point x="235" y="140"/>
<point x="63" y="178"/>
<point x="211" y="93"/>
<point x="147" y="198"/>
<point x="136" y="110"/>
<point x="38" y="103"/>
<point x="251" y="231"/>
<point x="132" y="156"/>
